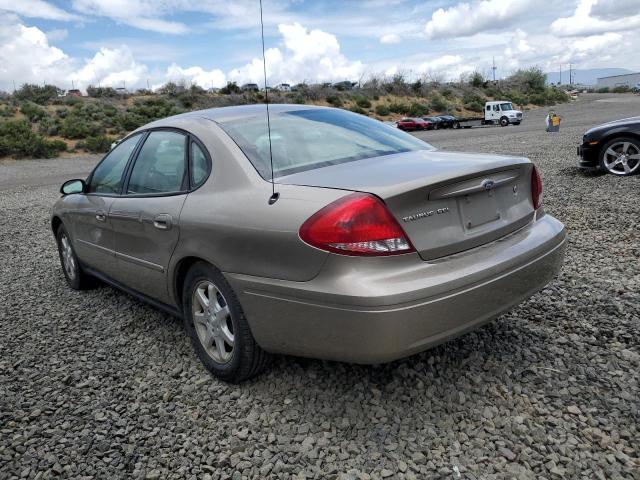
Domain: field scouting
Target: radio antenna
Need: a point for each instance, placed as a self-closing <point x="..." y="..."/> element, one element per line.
<point x="274" y="196"/>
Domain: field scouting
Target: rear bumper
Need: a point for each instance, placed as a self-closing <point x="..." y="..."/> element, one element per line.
<point x="382" y="314"/>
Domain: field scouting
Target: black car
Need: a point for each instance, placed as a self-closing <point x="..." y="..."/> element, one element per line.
<point x="435" y="121"/>
<point x="448" y="121"/>
<point x="613" y="147"/>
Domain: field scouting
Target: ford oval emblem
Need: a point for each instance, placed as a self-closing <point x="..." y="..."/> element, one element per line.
<point x="488" y="184"/>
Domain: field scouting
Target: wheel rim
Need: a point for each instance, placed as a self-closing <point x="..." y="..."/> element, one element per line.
<point x="622" y="158"/>
<point x="212" y="321"/>
<point x="68" y="259"/>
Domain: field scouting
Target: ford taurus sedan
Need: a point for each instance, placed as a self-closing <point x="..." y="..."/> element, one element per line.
<point x="369" y="245"/>
<point x="613" y="147"/>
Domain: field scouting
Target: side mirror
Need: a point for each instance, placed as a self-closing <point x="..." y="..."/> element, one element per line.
<point x="72" y="186"/>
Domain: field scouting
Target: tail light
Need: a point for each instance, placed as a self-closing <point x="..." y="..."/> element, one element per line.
<point x="536" y="188"/>
<point x="358" y="224"/>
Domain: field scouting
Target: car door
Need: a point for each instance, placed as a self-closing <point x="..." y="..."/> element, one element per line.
<point x="146" y="218"/>
<point x="93" y="235"/>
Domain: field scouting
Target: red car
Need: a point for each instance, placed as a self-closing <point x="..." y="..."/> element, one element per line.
<point x="412" y="124"/>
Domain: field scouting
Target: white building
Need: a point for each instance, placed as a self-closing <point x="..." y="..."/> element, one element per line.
<point x="628" y="80"/>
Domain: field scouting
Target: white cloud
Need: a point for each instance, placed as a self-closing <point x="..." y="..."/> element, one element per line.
<point x="57" y="34"/>
<point x="144" y="14"/>
<point x="592" y="17"/>
<point x="36" y="9"/>
<point x="446" y="67"/>
<point x="196" y="75"/>
<point x="311" y="55"/>
<point x="111" y="67"/>
<point x="466" y="19"/>
<point x="390" y="38"/>
<point x="26" y="55"/>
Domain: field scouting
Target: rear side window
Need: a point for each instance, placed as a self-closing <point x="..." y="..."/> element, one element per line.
<point x="199" y="166"/>
<point x="107" y="177"/>
<point x="161" y="164"/>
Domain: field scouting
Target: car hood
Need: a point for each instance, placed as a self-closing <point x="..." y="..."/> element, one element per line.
<point x="631" y="121"/>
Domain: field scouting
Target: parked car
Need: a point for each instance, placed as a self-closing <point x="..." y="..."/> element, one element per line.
<point x="636" y="88"/>
<point x="412" y="124"/>
<point x="365" y="252"/>
<point x="283" y="87"/>
<point x="448" y="121"/>
<point x="346" y="85"/>
<point x="436" y="122"/>
<point x="613" y="147"/>
<point x="250" y="87"/>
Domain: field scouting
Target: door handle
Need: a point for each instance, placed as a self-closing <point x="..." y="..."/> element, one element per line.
<point x="101" y="216"/>
<point x="162" y="221"/>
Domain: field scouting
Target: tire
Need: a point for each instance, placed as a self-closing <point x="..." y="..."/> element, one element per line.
<point x="219" y="331"/>
<point x="73" y="273"/>
<point x="516" y="123"/>
<point x="456" y="125"/>
<point x="621" y="156"/>
<point x="504" y="122"/>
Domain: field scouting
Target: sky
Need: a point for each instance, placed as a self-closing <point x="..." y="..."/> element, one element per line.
<point x="140" y="43"/>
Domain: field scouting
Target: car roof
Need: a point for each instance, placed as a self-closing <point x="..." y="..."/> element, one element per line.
<point x="237" y="112"/>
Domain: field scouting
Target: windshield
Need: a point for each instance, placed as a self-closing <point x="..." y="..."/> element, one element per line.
<point x="506" y="106"/>
<point x="314" y="138"/>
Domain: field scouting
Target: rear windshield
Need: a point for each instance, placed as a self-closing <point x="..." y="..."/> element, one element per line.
<point x="307" y="139"/>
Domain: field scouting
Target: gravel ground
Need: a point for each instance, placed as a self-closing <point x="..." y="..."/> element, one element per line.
<point x="97" y="384"/>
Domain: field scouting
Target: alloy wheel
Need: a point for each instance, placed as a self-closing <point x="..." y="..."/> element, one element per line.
<point x="622" y="158"/>
<point x="68" y="259"/>
<point x="212" y="321"/>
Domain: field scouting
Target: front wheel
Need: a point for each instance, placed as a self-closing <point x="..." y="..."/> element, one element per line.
<point x="219" y="331"/>
<point x="504" y="121"/>
<point x="621" y="156"/>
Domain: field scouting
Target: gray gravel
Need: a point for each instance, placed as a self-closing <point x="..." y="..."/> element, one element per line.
<point x="97" y="384"/>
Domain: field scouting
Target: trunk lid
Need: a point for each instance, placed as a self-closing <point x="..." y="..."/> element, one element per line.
<point x="446" y="202"/>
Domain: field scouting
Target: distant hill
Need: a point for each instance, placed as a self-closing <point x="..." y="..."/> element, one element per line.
<point x="587" y="76"/>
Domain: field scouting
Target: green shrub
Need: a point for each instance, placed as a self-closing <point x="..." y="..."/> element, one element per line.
<point x="401" y="108"/>
<point x="447" y="93"/>
<point x="357" y="109"/>
<point x="36" y="93"/>
<point x="603" y="90"/>
<point x="362" y="102"/>
<point x="418" y="110"/>
<point x="382" y="110"/>
<point x="475" y="106"/>
<point x="620" y="89"/>
<point x="437" y="103"/>
<point x="477" y="80"/>
<point x="19" y="140"/>
<point x="32" y="111"/>
<point x="539" y="99"/>
<point x="101" y="92"/>
<point x="48" y="126"/>
<point x="100" y="144"/>
<point x="334" y="100"/>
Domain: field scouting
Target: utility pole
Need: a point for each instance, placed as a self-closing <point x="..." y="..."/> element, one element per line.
<point x="560" y="74"/>
<point x="72" y="85"/>
<point x="148" y="87"/>
<point x="570" y="74"/>
<point x="14" y="86"/>
<point x="494" y="68"/>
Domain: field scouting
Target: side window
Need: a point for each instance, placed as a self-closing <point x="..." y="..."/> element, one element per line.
<point x="160" y="166"/>
<point x="107" y="177"/>
<point x="496" y="108"/>
<point x="199" y="166"/>
<point x="488" y="107"/>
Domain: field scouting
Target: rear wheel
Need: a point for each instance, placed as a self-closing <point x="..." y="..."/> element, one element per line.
<point x="621" y="156"/>
<point x="516" y="123"/>
<point x="219" y="331"/>
<point x="504" y="121"/>
<point x="76" y="278"/>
